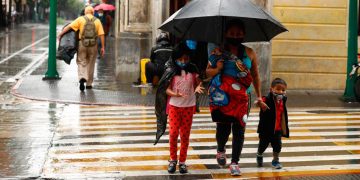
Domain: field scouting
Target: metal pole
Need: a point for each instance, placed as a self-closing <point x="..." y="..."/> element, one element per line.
<point x="349" y="94"/>
<point x="52" y="72"/>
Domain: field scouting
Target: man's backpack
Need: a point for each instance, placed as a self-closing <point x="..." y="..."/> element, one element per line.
<point x="89" y="35"/>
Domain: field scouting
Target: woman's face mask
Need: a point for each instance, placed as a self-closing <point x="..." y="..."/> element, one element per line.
<point x="234" y="36"/>
<point x="234" y="41"/>
<point x="101" y="14"/>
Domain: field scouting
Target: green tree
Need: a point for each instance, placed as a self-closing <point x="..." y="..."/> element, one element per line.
<point x="71" y="8"/>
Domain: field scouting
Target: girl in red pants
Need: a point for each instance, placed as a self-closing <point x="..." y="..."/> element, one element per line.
<point x="182" y="105"/>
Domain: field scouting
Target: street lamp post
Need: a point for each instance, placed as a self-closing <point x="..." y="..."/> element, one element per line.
<point x="52" y="72"/>
<point x="349" y="94"/>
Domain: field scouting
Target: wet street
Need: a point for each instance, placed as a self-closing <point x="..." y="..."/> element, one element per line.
<point x="48" y="129"/>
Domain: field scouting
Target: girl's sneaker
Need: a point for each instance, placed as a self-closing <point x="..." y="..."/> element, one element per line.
<point x="276" y="164"/>
<point x="172" y="166"/>
<point x="221" y="158"/>
<point x="183" y="168"/>
<point x="234" y="169"/>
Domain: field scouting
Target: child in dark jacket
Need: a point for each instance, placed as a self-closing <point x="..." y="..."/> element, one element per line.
<point x="273" y="122"/>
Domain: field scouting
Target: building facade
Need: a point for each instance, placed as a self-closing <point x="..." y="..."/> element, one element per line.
<point x="311" y="56"/>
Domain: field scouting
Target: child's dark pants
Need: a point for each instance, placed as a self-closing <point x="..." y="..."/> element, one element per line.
<point x="275" y="141"/>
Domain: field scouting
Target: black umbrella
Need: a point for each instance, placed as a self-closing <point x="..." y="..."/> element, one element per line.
<point x="204" y="20"/>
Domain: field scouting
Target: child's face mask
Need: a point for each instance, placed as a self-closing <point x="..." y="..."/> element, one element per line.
<point x="183" y="61"/>
<point x="181" y="64"/>
<point x="279" y="91"/>
<point x="279" y="96"/>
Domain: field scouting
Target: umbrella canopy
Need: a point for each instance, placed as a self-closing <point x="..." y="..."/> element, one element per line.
<point x="204" y="20"/>
<point x="105" y="7"/>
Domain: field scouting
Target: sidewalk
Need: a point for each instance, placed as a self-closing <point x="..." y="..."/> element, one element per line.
<point x="109" y="89"/>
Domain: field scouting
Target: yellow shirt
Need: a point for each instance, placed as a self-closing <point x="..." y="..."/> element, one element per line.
<point x="79" y="23"/>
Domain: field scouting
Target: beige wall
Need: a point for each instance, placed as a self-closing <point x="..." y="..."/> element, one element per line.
<point x="313" y="54"/>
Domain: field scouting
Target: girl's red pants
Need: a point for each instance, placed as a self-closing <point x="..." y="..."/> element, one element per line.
<point x="180" y="121"/>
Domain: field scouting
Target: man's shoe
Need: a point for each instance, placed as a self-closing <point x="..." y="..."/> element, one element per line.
<point x="259" y="160"/>
<point x="88" y="87"/>
<point x="221" y="158"/>
<point x="276" y="164"/>
<point x="172" y="166"/>
<point x="82" y="84"/>
<point x="183" y="168"/>
<point x="234" y="169"/>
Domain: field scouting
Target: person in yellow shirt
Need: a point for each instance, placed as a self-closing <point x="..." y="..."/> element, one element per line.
<point x="87" y="51"/>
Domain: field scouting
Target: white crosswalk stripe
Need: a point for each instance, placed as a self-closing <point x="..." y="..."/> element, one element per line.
<point x="118" y="142"/>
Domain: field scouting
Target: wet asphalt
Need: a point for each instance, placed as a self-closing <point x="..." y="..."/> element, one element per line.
<point x="26" y="127"/>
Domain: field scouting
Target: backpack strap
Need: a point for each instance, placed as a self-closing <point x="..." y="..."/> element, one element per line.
<point x="86" y="18"/>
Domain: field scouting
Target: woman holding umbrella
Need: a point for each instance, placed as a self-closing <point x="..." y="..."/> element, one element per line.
<point x="233" y="68"/>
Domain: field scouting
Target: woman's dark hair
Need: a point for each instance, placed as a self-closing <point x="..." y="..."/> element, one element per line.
<point x="235" y="22"/>
<point x="278" y="81"/>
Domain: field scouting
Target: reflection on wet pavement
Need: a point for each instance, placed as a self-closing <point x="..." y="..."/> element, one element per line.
<point x="26" y="127"/>
<point x="20" y="47"/>
<point x="118" y="141"/>
<point x="14" y="41"/>
<point x="26" y="130"/>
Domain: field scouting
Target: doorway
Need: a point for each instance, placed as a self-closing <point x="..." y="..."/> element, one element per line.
<point x="176" y="5"/>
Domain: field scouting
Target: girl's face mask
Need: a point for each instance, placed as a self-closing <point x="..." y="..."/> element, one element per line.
<point x="181" y="64"/>
<point x="183" y="61"/>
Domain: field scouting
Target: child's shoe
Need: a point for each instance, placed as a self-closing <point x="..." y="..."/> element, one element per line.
<point x="234" y="169"/>
<point x="221" y="158"/>
<point x="276" y="164"/>
<point x="172" y="166"/>
<point x="259" y="160"/>
<point x="183" y="168"/>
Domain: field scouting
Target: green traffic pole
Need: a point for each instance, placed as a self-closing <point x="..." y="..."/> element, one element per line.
<point x="52" y="72"/>
<point x="349" y="94"/>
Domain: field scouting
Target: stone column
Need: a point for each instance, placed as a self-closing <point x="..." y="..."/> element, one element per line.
<point x="134" y="37"/>
<point x="117" y="18"/>
<point x="263" y="51"/>
<point x="160" y="13"/>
